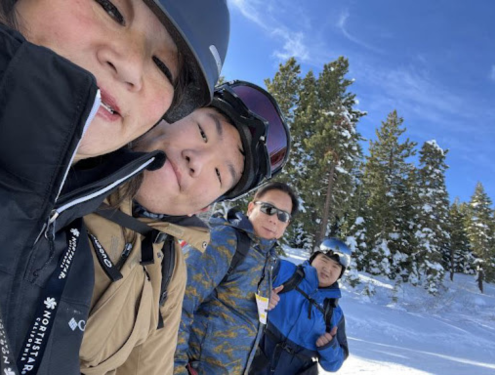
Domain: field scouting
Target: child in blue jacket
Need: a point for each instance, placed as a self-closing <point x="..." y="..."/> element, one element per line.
<point x="307" y="326"/>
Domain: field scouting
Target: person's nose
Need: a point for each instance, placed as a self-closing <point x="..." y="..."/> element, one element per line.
<point x="196" y="161"/>
<point x="272" y="219"/>
<point x="125" y="59"/>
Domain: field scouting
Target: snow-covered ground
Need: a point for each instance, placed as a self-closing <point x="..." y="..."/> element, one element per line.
<point x="408" y="331"/>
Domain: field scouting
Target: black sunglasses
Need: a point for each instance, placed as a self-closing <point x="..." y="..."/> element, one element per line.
<point x="270" y="210"/>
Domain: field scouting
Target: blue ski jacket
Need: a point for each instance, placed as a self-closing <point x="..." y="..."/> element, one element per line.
<point x="297" y="325"/>
<point x="220" y="326"/>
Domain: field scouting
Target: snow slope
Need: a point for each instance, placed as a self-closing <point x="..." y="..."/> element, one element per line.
<point x="407" y="331"/>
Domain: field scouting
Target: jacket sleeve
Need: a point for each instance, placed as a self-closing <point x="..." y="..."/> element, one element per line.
<point x="333" y="354"/>
<point x="156" y="355"/>
<point x="205" y="271"/>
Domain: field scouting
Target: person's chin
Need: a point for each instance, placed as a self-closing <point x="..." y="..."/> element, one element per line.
<point x="268" y="234"/>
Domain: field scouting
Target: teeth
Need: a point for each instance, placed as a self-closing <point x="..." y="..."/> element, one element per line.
<point x="108" y="108"/>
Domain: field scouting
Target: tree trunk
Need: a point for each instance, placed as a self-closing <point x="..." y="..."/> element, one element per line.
<point x="326" y="209"/>
<point x="452" y="263"/>
<point x="480" y="279"/>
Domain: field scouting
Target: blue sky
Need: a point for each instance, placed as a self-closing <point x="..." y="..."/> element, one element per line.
<point x="432" y="61"/>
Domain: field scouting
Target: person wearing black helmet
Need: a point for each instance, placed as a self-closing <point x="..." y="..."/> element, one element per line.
<point x="306" y="325"/>
<point x="81" y="79"/>
<point x="137" y="304"/>
<point x="220" y="325"/>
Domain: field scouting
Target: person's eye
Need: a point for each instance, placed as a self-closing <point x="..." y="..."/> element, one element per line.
<point x="112" y="11"/>
<point x="203" y="134"/>
<point x="164" y="69"/>
<point x="219" y="176"/>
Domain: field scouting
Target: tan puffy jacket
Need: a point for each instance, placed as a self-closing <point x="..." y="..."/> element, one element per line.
<point x="121" y="335"/>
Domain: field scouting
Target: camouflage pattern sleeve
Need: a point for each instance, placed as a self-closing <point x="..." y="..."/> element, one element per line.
<point x="204" y="272"/>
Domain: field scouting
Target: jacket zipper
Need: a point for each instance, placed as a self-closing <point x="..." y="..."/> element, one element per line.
<point x="92" y="114"/>
<point x="56" y="212"/>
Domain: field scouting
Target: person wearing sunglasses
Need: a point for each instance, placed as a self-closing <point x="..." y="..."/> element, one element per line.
<point x="307" y="326"/>
<point x="221" y="324"/>
<point x="140" y="273"/>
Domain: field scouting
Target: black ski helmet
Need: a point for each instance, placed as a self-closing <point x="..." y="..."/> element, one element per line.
<point x="263" y="130"/>
<point x="201" y="30"/>
<point x="334" y="249"/>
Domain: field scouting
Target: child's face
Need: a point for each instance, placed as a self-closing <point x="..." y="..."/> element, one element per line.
<point x="124" y="45"/>
<point x="204" y="161"/>
<point x="328" y="270"/>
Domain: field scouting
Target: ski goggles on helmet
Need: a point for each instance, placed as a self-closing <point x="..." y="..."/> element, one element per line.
<point x="332" y="247"/>
<point x="270" y="209"/>
<point x="264" y="133"/>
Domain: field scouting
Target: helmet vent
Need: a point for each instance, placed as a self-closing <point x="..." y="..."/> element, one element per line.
<point x="217" y="58"/>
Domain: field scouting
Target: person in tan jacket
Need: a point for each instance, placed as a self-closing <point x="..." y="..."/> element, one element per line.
<point x="216" y="153"/>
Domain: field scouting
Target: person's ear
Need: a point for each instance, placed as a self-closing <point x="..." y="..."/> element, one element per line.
<point x="250" y="208"/>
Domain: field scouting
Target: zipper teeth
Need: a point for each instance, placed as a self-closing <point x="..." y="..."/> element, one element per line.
<point x="102" y="191"/>
<point x="92" y="114"/>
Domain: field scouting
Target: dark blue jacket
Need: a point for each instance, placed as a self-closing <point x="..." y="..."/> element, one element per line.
<point x="297" y="325"/>
<point x="46" y="104"/>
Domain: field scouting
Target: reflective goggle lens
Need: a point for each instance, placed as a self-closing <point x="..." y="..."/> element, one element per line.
<point x="344" y="259"/>
<point x="333" y="246"/>
<point x="262" y="105"/>
<point x="270" y="210"/>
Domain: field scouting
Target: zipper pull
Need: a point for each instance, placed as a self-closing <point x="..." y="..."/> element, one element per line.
<point x="127" y="250"/>
<point x="49" y="224"/>
<point x="50" y="227"/>
<point x="125" y="254"/>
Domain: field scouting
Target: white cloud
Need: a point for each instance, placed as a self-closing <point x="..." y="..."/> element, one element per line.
<point x="293" y="45"/>
<point x="342" y="23"/>
<point x="412" y="91"/>
<point x="249" y="9"/>
<point x="266" y="16"/>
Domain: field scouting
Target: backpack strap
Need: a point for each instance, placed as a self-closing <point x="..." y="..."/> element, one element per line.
<point x="328" y="305"/>
<point x="168" y="266"/>
<point x="241" y="251"/>
<point x="294" y="280"/>
<point x="132" y="223"/>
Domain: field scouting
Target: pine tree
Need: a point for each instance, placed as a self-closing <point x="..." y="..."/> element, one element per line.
<point x="354" y="228"/>
<point x="460" y="259"/>
<point x="481" y="231"/>
<point x="333" y="149"/>
<point x="388" y="180"/>
<point x="291" y="92"/>
<point x="432" y="232"/>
